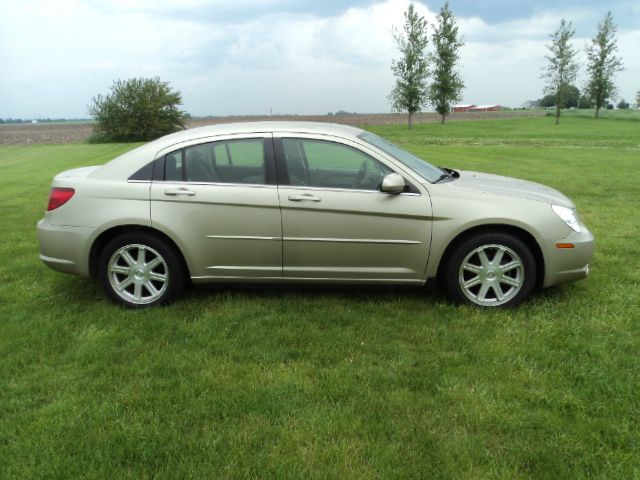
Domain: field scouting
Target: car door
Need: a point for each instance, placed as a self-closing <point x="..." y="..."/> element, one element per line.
<point x="337" y="224"/>
<point x="219" y="201"/>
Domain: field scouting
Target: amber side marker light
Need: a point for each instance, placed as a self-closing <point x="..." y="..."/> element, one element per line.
<point x="565" y="245"/>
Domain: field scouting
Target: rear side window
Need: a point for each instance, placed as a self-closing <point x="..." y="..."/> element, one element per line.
<point x="233" y="161"/>
<point x="173" y="167"/>
<point x="144" y="174"/>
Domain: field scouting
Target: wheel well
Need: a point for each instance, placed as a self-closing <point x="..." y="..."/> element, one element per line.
<point x="108" y="235"/>
<point x="523" y="235"/>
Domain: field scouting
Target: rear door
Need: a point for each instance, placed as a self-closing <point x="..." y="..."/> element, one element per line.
<point x="336" y="223"/>
<point x="219" y="201"/>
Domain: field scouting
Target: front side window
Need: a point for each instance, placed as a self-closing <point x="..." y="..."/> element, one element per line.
<point x="320" y="163"/>
<point x="233" y="161"/>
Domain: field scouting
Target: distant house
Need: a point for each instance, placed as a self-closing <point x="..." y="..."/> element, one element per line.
<point x="462" y="108"/>
<point x="485" y="108"/>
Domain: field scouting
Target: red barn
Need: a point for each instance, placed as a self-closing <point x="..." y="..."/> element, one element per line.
<point x="462" y="108"/>
<point x="486" y="108"/>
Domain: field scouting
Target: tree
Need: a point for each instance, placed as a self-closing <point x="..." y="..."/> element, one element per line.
<point x="447" y="84"/>
<point x="586" y="102"/>
<point x="410" y="91"/>
<point x="638" y="99"/>
<point x="603" y="63"/>
<point x="572" y="98"/>
<point x="548" y="101"/>
<point x="562" y="68"/>
<point x="623" y="104"/>
<point x="137" y="109"/>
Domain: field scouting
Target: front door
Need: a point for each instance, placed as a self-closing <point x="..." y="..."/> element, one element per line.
<point x="336" y="224"/>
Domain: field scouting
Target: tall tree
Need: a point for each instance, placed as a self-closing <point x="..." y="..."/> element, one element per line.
<point x="410" y="91"/>
<point x="603" y="63"/>
<point x="447" y="84"/>
<point x="562" y="68"/>
<point x="638" y="99"/>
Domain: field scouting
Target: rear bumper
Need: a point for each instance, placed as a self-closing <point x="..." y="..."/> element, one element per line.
<point x="567" y="264"/>
<point x="64" y="248"/>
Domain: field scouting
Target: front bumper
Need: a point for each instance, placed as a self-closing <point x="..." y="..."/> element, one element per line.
<point x="567" y="264"/>
<point x="64" y="248"/>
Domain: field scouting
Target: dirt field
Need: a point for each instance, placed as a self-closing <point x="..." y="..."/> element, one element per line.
<point x="47" y="133"/>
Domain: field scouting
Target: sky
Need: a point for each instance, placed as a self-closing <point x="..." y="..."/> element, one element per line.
<point x="246" y="57"/>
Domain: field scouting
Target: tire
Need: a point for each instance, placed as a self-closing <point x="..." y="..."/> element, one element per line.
<point x="490" y="270"/>
<point x="139" y="270"/>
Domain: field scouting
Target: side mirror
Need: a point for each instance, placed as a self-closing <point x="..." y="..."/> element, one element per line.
<point x="392" y="183"/>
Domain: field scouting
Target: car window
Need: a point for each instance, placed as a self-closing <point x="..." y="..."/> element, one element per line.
<point x="234" y="161"/>
<point x="173" y="167"/>
<point x="220" y="151"/>
<point x="421" y="167"/>
<point x="320" y="163"/>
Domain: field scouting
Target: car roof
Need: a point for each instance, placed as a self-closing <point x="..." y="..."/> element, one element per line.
<point x="131" y="161"/>
<point x="262" y="126"/>
<point x="338" y="130"/>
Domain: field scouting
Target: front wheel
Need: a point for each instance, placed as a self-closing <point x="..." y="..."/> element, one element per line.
<point x="491" y="270"/>
<point x="139" y="270"/>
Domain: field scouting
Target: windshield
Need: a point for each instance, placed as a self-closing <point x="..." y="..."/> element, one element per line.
<point x="422" y="168"/>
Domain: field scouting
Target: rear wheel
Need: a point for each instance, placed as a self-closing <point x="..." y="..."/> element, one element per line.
<point x="139" y="270"/>
<point x="491" y="270"/>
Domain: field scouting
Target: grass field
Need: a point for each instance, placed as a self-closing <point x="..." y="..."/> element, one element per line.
<point x="617" y="114"/>
<point x="339" y="383"/>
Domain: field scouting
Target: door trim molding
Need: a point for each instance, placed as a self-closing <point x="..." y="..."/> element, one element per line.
<point x="352" y="240"/>
<point x="241" y="237"/>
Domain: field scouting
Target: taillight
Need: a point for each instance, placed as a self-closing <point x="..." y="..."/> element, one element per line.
<point x="58" y="197"/>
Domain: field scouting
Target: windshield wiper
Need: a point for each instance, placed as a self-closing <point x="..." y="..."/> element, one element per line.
<point x="447" y="173"/>
<point x="444" y="176"/>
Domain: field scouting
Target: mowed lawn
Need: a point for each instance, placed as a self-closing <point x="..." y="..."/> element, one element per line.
<point x="334" y="383"/>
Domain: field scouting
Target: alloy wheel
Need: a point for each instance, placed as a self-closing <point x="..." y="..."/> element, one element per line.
<point x="491" y="275"/>
<point x="138" y="274"/>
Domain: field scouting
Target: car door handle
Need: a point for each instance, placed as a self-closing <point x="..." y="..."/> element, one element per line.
<point x="179" y="191"/>
<point x="305" y="197"/>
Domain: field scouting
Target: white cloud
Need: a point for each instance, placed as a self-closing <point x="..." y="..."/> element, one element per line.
<point x="57" y="54"/>
<point x="629" y="80"/>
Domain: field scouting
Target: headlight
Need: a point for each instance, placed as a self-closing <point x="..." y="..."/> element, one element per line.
<point x="570" y="217"/>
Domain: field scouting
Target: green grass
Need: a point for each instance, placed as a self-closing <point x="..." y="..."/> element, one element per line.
<point x="617" y="114"/>
<point x="333" y="383"/>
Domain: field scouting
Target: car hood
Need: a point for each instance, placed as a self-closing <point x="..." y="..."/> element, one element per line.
<point x="509" y="187"/>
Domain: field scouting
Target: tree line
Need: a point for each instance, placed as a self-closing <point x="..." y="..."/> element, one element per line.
<point x="40" y="120"/>
<point x="573" y="98"/>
